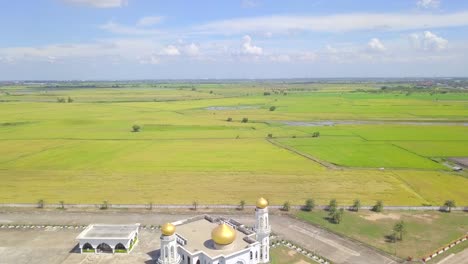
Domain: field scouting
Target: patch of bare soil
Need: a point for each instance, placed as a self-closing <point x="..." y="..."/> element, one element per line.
<point x="378" y="216"/>
<point x="425" y="217"/>
<point x="302" y="262"/>
<point x="291" y="253"/>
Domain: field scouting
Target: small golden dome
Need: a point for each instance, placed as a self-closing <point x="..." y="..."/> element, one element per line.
<point x="223" y="235"/>
<point x="262" y="203"/>
<point x="168" y="229"/>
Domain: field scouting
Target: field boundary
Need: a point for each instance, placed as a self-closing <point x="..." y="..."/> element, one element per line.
<point x="221" y="206"/>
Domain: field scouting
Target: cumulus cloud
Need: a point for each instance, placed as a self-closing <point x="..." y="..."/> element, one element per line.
<point x="249" y="48"/>
<point x="192" y="50"/>
<point x="150" y="20"/>
<point x="335" y="23"/>
<point x="428" y="3"/>
<point x="99" y="3"/>
<point x="376" y="45"/>
<point x="428" y="41"/>
<point x="171" y="50"/>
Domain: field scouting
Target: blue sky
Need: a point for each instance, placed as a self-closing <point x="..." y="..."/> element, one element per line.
<point x="152" y="39"/>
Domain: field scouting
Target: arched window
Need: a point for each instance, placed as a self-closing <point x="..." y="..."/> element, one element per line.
<point x="87" y="246"/>
<point x="198" y="261"/>
<point x="251" y="255"/>
<point x="172" y="252"/>
<point x="103" y="247"/>
<point x="256" y="254"/>
<point x="166" y="250"/>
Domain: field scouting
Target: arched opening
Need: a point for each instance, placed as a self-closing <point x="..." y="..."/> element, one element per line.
<point x="198" y="261"/>
<point x="251" y="255"/>
<point x="87" y="246"/>
<point x="120" y="248"/>
<point x="104" y="248"/>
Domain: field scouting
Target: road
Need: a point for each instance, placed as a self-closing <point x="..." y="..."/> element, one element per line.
<point x="329" y="245"/>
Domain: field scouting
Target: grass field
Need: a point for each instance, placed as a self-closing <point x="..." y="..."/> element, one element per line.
<point x="425" y="231"/>
<point x="284" y="255"/>
<point x="186" y="150"/>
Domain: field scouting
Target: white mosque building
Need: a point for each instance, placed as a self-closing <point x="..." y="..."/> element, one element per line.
<point x="208" y="240"/>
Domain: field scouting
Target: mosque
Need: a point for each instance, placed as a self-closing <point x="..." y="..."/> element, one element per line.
<point x="209" y="240"/>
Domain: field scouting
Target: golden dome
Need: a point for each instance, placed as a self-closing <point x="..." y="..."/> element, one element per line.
<point x="262" y="203"/>
<point x="168" y="229"/>
<point x="223" y="235"/>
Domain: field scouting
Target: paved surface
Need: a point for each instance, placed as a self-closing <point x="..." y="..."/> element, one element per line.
<point x="54" y="246"/>
<point x="459" y="258"/>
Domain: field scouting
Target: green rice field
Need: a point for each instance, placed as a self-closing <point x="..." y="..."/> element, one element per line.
<point x="381" y="146"/>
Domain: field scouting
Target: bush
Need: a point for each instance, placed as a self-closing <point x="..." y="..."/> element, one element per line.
<point x="104" y="205"/>
<point x="136" y="128"/>
<point x="333" y="205"/>
<point x="70" y="100"/>
<point x="316" y="134"/>
<point x="245" y="120"/>
<point x="309" y="205"/>
<point x="356" y="205"/>
<point x="40" y="204"/>
<point x="378" y="207"/>
<point x="229" y="119"/>
<point x="270" y="135"/>
<point x="266" y="93"/>
<point x="242" y="205"/>
<point x="286" y="206"/>
<point x="272" y="108"/>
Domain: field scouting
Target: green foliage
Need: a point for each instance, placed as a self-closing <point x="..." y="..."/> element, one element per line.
<point x="104" y="205"/>
<point x="40" y="204"/>
<point x="309" y="205"/>
<point x="356" y="205"/>
<point x="136" y="128"/>
<point x="245" y="120"/>
<point x="242" y="205"/>
<point x="400" y="228"/>
<point x="332" y="205"/>
<point x="449" y="204"/>
<point x="62" y="205"/>
<point x="70" y="100"/>
<point x="316" y="134"/>
<point x="336" y="215"/>
<point x="286" y="206"/>
<point x="272" y="108"/>
<point x="378" y="207"/>
<point x="229" y="119"/>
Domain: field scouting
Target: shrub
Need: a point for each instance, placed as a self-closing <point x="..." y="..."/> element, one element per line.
<point x="449" y="204"/>
<point x="104" y="205"/>
<point x="316" y="134"/>
<point x="245" y="120"/>
<point x="266" y="93"/>
<point x="378" y="207"/>
<point x="40" y="204"/>
<point x="270" y="135"/>
<point x="272" y="108"/>
<point x="286" y="206"/>
<point x="229" y="119"/>
<point x="70" y="100"/>
<point x="309" y="205"/>
<point x="333" y="205"/>
<point x="356" y="205"/>
<point x="242" y="204"/>
<point x="136" y="128"/>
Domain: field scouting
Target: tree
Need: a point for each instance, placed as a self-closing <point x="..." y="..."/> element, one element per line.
<point x="150" y="206"/>
<point x="266" y="93"/>
<point x="104" y="205"/>
<point x="309" y="205"/>
<point x="333" y="205"/>
<point x="229" y="119"/>
<point x="270" y="135"/>
<point x="136" y="128"/>
<point x="337" y="215"/>
<point x="378" y="207"/>
<point x="316" y="134"/>
<point x="70" y="100"/>
<point x="356" y="205"/>
<point x="62" y="205"/>
<point x="286" y="206"/>
<point x="242" y="204"/>
<point x="211" y="92"/>
<point x="60" y="100"/>
<point x="40" y="204"/>
<point x="449" y="204"/>
<point x="400" y="228"/>
<point x="195" y="205"/>
<point x="245" y="120"/>
<point x="272" y="108"/>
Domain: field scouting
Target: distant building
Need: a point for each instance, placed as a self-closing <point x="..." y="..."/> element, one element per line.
<point x="208" y="240"/>
<point x="108" y="238"/>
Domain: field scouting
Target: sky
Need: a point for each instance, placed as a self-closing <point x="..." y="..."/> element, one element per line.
<point x="232" y="39"/>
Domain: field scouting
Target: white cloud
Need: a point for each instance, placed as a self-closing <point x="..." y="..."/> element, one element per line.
<point x="428" y="3"/>
<point x="335" y="23"/>
<point x="248" y="48"/>
<point x="99" y="3"/>
<point x="376" y="45"/>
<point x="428" y="41"/>
<point x="171" y="50"/>
<point x="150" y="20"/>
<point x="192" y="50"/>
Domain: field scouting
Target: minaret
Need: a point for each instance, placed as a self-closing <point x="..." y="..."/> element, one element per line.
<point x="263" y="229"/>
<point x="168" y="252"/>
